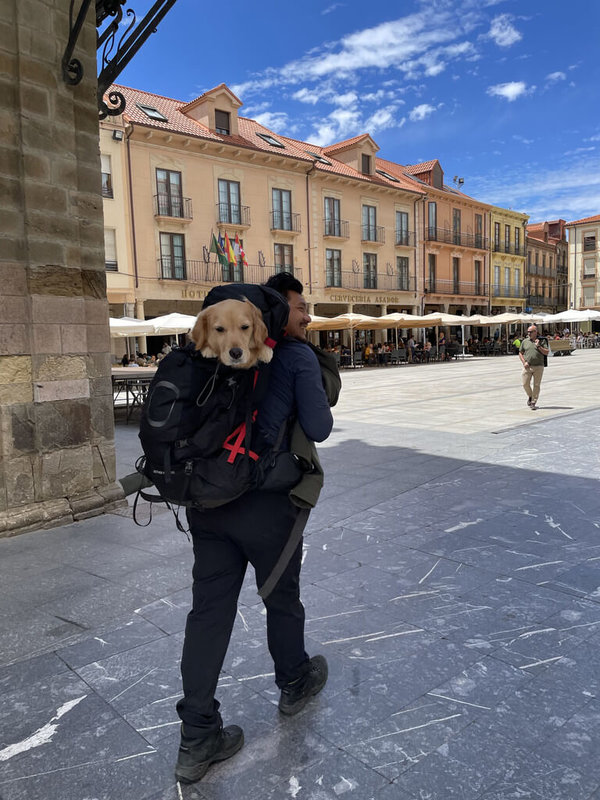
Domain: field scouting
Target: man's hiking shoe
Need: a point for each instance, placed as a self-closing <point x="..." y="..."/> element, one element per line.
<point x="529" y="402"/>
<point x="533" y="406"/>
<point x="296" y="695"/>
<point x="196" y="755"/>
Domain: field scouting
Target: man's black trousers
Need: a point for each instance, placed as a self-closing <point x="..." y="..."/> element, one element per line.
<point x="252" y="529"/>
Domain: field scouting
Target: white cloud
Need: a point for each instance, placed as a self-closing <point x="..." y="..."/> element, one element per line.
<point x="349" y="98"/>
<point x="419" y="43"/>
<point x="556" y="76"/>
<point x="518" y="138"/>
<point x="503" y="32"/>
<point x="578" y="150"/>
<point x="305" y="95"/>
<point x="333" y="7"/>
<point x="276" y="121"/>
<point x="595" y="138"/>
<point x="570" y="190"/>
<point x="421" y="112"/>
<point x="509" y="91"/>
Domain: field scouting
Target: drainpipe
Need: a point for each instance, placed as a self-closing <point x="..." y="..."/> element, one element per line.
<point x="310" y="172"/>
<point x="130" y="183"/>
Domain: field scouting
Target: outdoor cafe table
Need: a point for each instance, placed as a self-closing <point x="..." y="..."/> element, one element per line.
<point x="132" y="383"/>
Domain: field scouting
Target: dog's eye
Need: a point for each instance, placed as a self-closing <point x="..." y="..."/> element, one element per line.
<point x="219" y="328"/>
<point x="244" y="327"/>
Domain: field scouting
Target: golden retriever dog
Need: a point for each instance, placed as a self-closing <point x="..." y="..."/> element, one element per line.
<point x="234" y="332"/>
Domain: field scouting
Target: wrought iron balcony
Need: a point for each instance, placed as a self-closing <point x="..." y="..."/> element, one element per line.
<point x="213" y="272"/>
<point x="499" y="290"/>
<point x="373" y="233"/>
<point x="348" y="279"/>
<point x="541" y="300"/>
<point x="285" y="221"/>
<point x="466" y="288"/>
<point x="405" y="239"/>
<point x="228" y="214"/>
<point x="502" y="247"/>
<point x="166" y="205"/>
<point x="338" y="228"/>
<point x="446" y="236"/>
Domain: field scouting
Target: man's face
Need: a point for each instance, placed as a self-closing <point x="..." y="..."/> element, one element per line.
<point x="299" y="317"/>
<point x="532" y="333"/>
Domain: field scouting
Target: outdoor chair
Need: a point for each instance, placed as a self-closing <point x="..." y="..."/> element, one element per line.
<point x="358" y="359"/>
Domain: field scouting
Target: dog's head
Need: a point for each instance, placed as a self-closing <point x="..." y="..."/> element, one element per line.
<point x="232" y="331"/>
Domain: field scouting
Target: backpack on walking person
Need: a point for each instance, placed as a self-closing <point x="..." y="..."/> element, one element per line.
<point x="197" y="421"/>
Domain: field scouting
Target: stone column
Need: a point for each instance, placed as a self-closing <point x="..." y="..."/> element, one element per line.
<point x="57" y="459"/>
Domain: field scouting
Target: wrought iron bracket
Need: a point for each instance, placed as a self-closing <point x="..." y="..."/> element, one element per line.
<point x="115" y="54"/>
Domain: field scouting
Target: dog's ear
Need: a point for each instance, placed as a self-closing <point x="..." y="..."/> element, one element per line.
<point x="199" y="333"/>
<point x="259" y="334"/>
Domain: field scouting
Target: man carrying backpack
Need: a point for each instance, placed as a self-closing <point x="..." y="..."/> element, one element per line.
<point x="254" y="529"/>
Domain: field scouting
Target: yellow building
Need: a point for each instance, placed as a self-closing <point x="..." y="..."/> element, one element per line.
<point x="508" y="260"/>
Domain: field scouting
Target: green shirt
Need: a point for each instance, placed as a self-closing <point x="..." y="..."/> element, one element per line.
<point x="531" y="354"/>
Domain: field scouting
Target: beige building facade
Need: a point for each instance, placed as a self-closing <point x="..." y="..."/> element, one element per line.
<point x="172" y="180"/>
<point x="584" y="262"/>
<point x="547" y="285"/>
<point x="362" y="233"/>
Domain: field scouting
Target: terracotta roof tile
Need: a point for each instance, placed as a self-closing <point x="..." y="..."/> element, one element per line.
<point x="334" y="148"/>
<point x="417" y="169"/>
<point x="178" y="122"/>
<point x="585" y="220"/>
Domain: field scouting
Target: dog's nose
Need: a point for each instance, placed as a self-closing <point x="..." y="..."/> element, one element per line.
<point x="236" y="353"/>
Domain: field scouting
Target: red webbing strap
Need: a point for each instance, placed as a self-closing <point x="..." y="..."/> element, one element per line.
<point x="235" y="441"/>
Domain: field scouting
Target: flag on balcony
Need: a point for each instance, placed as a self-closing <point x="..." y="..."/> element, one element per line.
<point x="229" y="251"/>
<point x="240" y="250"/>
<point x="215" y="247"/>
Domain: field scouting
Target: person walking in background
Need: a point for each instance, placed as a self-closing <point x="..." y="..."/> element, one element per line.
<point x="532" y="353"/>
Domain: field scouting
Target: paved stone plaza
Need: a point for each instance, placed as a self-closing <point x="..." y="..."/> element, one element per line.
<point x="451" y="578"/>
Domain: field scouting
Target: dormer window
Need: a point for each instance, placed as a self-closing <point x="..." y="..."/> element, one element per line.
<point x="365" y="164"/>
<point x="222" y="122"/>
<point x="271" y="140"/>
<point x="152" y="112"/>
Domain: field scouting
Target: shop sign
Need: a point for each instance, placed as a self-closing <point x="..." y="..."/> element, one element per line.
<point x="366" y="298"/>
<point x="194" y="294"/>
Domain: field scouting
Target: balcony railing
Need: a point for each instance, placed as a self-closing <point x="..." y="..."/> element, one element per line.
<point x="508" y="291"/>
<point x="285" y="221"/>
<point x="541" y="300"/>
<point x="501" y="247"/>
<point x="373" y="233"/>
<point x="588" y="302"/>
<point x="588" y="276"/>
<point x="228" y="214"/>
<point x="446" y="236"/>
<point x="438" y="286"/>
<point x="339" y="228"/>
<point x="405" y="239"/>
<point x="347" y="279"/>
<point x="166" y="205"/>
<point x="545" y="272"/>
<point x="213" y="272"/>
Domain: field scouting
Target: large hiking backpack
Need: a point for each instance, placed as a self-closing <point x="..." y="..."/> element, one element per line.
<point x="196" y="425"/>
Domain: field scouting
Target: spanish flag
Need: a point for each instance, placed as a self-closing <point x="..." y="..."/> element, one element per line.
<point x="239" y="249"/>
<point x="229" y="251"/>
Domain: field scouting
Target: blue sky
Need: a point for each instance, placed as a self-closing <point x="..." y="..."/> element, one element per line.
<point x="503" y="93"/>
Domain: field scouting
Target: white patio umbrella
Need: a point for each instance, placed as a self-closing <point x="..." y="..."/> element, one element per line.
<point x="574" y="315"/>
<point x="123" y="328"/>
<point x="171" y="324"/>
